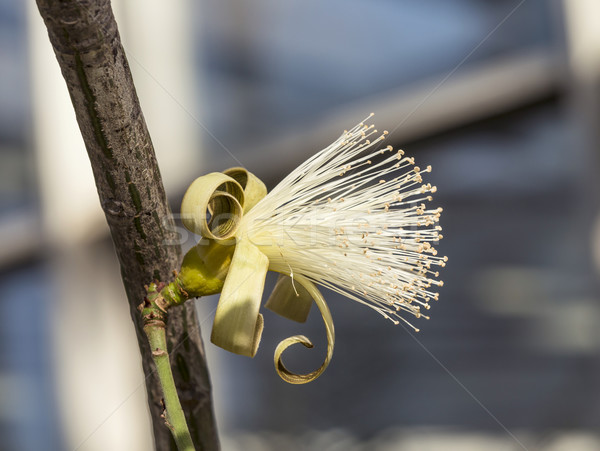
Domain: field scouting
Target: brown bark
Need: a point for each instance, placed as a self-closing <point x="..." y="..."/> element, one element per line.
<point x="87" y="45"/>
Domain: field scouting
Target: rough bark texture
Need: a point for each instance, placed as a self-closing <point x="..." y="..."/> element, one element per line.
<point x="86" y="42"/>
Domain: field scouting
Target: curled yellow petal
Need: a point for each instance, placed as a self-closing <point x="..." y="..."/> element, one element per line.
<point x="254" y="188"/>
<point x="213" y="206"/>
<point x="205" y="267"/>
<point x="238" y="325"/>
<point x="288" y="375"/>
<point x="290" y="300"/>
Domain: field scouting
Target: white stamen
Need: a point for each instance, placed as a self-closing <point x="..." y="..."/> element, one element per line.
<point x="322" y="213"/>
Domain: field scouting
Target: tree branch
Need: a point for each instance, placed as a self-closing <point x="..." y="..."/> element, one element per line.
<point x="88" y="48"/>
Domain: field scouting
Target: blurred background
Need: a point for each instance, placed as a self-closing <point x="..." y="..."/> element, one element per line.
<point x="501" y="97"/>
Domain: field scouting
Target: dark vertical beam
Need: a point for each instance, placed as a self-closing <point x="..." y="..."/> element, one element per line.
<point x="88" y="48"/>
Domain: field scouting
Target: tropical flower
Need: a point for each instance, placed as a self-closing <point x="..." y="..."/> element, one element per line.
<point x="353" y="218"/>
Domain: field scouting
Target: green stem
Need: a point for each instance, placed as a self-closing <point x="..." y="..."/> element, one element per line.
<point x="174" y="413"/>
<point x="154" y="313"/>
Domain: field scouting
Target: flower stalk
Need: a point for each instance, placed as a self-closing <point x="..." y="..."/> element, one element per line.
<point x="154" y="313"/>
<point x="174" y="417"/>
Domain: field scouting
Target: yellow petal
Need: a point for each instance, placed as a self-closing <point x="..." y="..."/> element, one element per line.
<point x="238" y="326"/>
<point x="288" y="375"/>
<point x="254" y="188"/>
<point x="212" y="206"/>
<point x="289" y="299"/>
<point x="205" y="267"/>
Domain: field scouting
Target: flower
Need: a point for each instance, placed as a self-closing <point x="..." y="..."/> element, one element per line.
<point x="353" y="218"/>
